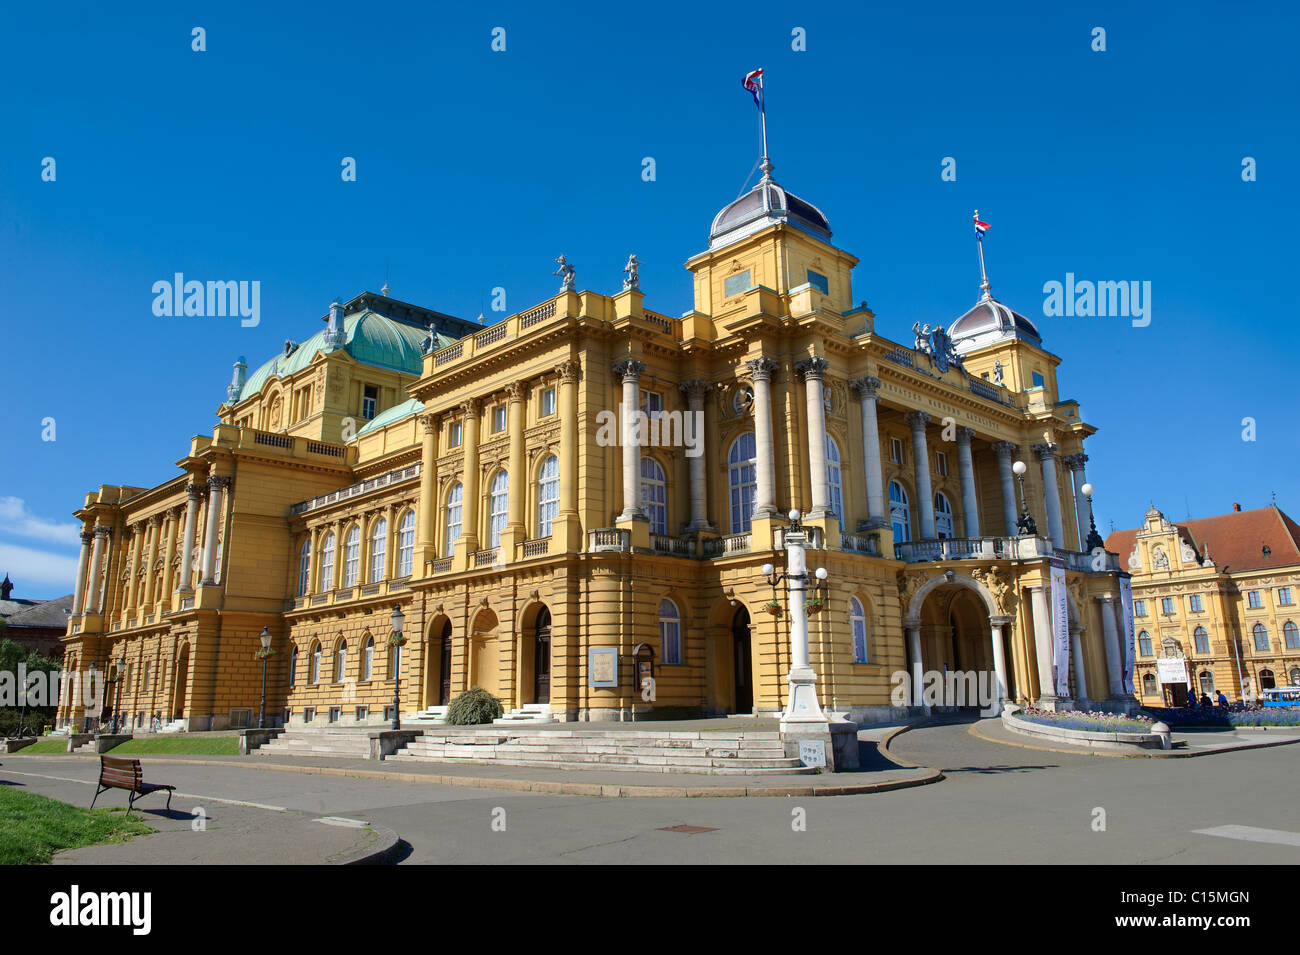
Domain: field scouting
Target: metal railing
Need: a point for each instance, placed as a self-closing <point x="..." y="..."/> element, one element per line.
<point x="407" y="473"/>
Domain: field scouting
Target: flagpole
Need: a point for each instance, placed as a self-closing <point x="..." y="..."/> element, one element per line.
<point x="762" y="108"/>
<point x="979" y="239"/>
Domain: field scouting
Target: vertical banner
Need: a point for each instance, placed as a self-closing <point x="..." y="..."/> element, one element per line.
<point x="1060" y="627"/>
<point x="1126" y="616"/>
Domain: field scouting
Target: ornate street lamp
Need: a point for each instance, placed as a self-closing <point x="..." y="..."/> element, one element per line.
<point x="1025" y="525"/>
<point x="802" y="705"/>
<point x="1094" y="539"/>
<point x="264" y="654"/>
<point x="397" y="641"/>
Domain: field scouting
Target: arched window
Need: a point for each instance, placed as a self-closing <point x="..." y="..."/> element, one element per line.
<point x="368" y="660"/>
<point x="1266" y="681"/>
<point x="899" y="518"/>
<point x="293" y="667"/>
<point x="304" y="567"/>
<point x="1202" y="640"/>
<point x="1295" y="676"/>
<point x="1291" y="635"/>
<point x="834" y="479"/>
<point x="498" y="507"/>
<point x="378" y="550"/>
<point x="742" y="480"/>
<point x="1260" y="633"/>
<point x="1148" y="684"/>
<point x="670" y="632"/>
<point x="654" y="495"/>
<point x="315" y="663"/>
<point x="942" y="515"/>
<point x="341" y="662"/>
<point x="351" y="556"/>
<point x="406" y="544"/>
<point x="858" y="627"/>
<point x="454" y="499"/>
<point x="548" y="495"/>
<point x="1144" y="643"/>
<point x="1207" y="683"/>
<point x="326" y="565"/>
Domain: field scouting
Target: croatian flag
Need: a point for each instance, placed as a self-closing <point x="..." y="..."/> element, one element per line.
<point x="753" y="83"/>
<point x="980" y="227"/>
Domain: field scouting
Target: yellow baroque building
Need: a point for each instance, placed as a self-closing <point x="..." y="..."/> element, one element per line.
<point x="1219" y="594"/>
<point x="472" y="476"/>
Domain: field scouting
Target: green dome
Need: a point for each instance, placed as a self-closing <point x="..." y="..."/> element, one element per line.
<point x="394" y="414"/>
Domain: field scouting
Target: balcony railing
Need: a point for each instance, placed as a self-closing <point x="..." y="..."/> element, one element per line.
<point x="727" y="546"/>
<point x="609" y="539"/>
<point x="860" y="544"/>
<point x="485" y="558"/>
<point x="1002" y="548"/>
<point x="537" y="548"/>
<point x="342" y="494"/>
<point x="679" y="546"/>
<point x="441" y="565"/>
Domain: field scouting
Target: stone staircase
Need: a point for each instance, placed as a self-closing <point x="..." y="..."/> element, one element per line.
<point x="528" y="713"/>
<point x="728" y="753"/>
<point x="429" y="716"/>
<point x="349" y="743"/>
<point x="175" y="726"/>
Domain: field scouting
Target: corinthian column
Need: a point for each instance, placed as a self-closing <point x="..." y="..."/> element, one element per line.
<point x="1076" y="462"/>
<point x="187" y="540"/>
<point x="695" y="392"/>
<point x="762" y="370"/>
<point x="169" y="554"/>
<point x="155" y="533"/>
<point x="569" y="372"/>
<point x="966" y="473"/>
<point x="96" y="555"/>
<point x="517" y="489"/>
<point x="867" y="388"/>
<point x="1051" y="493"/>
<point x="1005" y="450"/>
<point x="469" y="498"/>
<point x="812" y="370"/>
<point x="83" y="562"/>
<point x="427" y="506"/>
<point x="631" y="370"/>
<point x="921" y="464"/>
<point x="217" y="484"/>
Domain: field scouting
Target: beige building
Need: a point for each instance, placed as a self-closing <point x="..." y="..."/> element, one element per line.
<point x="487" y="481"/>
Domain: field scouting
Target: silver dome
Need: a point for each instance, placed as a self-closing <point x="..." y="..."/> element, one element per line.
<point x="764" y="205"/>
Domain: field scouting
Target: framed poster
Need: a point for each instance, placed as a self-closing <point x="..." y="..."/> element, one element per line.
<point x="602" y="666"/>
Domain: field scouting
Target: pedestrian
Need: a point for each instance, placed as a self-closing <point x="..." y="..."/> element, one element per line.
<point x="1223" y="700"/>
<point x="1205" y="701"/>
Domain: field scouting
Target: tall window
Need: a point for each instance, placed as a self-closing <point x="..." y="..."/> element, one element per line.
<point x="1144" y="643"/>
<point x="341" y="662"/>
<point x="352" y="556"/>
<point x="942" y="515"/>
<point x="670" y="632"/>
<point x="1266" y="680"/>
<point x="315" y="663"/>
<point x="896" y="450"/>
<point x="370" y="402"/>
<point x="498" y="418"/>
<point x="1202" y="640"/>
<point x="1260" y="632"/>
<point x="1284" y="596"/>
<point x="1167" y="605"/>
<point x="406" y="544"/>
<point x="654" y="494"/>
<point x="548" y="495"/>
<point x="858" y="627"/>
<point x="293" y="666"/>
<point x="326" y="565"/>
<point x="368" y="659"/>
<point x="899" y="518"/>
<point x="1295" y="676"/>
<point x="454" y="432"/>
<point x="1194" y="601"/>
<point x="1148" y="684"/>
<point x="1291" y="635"/>
<point x="1139" y="608"/>
<point x="548" y="402"/>
<point x="304" y="567"/>
<point x="378" y="550"/>
<point x="1207" y="683"/>
<point x="454" y="498"/>
<point x="835" y="480"/>
<point x="652" y="403"/>
<point x="742" y="479"/>
<point x="498" y="507"/>
<point x="1252" y="600"/>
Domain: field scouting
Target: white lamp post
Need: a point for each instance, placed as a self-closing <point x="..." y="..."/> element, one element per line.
<point x="802" y="705"/>
<point x="396" y="641"/>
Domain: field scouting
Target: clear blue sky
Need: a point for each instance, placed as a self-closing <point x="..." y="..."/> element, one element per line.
<point x="475" y="169"/>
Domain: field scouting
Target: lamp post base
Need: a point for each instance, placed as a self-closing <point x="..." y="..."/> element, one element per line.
<point x="802" y="705"/>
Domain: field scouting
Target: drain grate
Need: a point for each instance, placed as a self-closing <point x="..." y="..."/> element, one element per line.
<point x="689" y="830"/>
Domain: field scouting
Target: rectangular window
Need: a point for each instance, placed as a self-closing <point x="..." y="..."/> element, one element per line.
<point x="548" y="402"/>
<point x="1252" y="600"/>
<point x="1038" y="380"/>
<point x="453" y="435"/>
<point x="498" y="418"/>
<point x="819" y="282"/>
<point x="335" y="713"/>
<point x="1167" y="605"/>
<point x="309" y="714"/>
<point x="363" y="713"/>
<point x="941" y="463"/>
<point x="652" y="403"/>
<point x="735" y="284"/>
<point x="1139" y="608"/>
<point x="896" y="450"/>
<point x="1284" y="597"/>
<point x="1195" y="601"/>
<point x="369" y="402"/>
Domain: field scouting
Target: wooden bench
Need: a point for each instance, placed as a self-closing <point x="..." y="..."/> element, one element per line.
<point x="118" y="773"/>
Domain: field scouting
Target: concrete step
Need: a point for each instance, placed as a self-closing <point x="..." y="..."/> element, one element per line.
<point x="789" y="767"/>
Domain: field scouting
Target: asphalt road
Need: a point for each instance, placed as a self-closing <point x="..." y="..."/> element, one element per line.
<point x="999" y="804"/>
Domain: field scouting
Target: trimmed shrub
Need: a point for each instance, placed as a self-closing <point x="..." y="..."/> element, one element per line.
<point x="475" y="705"/>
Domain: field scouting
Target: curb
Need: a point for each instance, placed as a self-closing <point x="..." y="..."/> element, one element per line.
<point x="557" y="787"/>
<point x="883" y="746"/>
<point x="385" y="850"/>
<point x="1151" y="754"/>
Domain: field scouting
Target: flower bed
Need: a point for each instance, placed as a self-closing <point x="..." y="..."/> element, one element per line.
<point x="1088" y="721"/>
<point x="1234" y="714"/>
<point x="1104" y="731"/>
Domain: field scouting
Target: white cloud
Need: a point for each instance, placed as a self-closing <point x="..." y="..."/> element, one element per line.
<point x="16" y="519"/>
<point x="27" y="567"/>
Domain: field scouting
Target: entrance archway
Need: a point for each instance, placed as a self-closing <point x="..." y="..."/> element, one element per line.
<point x="178" y="684"/>
<point x="542" y="657"/>
<point x="485" y="653"/>
<point x="954" y="626"/>
<point x="437" y="676"/>
<point x="742" y="663"/>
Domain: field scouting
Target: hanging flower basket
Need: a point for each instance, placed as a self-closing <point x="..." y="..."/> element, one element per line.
<point x="814" y="605"/>
<point x="773" y="608"/>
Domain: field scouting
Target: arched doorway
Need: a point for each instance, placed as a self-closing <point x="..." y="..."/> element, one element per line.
<point x="178" y="684"/>
<point x="437" y="681"/>
<point x="485" y="654"/>
<point x="542" y="657"/>
<point x="956" y="642"/>
<point x="742" y="660"/>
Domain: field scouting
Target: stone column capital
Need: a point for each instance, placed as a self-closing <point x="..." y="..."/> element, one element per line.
<point x="1106" y="598"/>
<point x="429" y="423"/>
<point x="695" y="389"/>
<point x="155" y="520"/>
<point x="866" y="386"/>
<point x="629" y="368"/>
<point x="761" y="369"/>
<point x="569" y="370"/>
<point x="219" y="482"/>
<point x="175" y="511"/>
<point x="1005" y="449"/>
<point x="812" y="368"/>
<point x="515" y="391"/>
<point x="87" y="536"/>
<point x="469" y="407"/>
<point x="964" y="435"/>
<point x="103" y="530"/>
<point x="918" y="419"/>
<point x="1043" y="450"/>
<point x="1001" y="621"/>
<point x="1075" y="462"/>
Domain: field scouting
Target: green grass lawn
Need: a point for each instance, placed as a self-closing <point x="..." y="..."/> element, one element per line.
<point x="59" y="745"/>
<point x="178" y="744"/>
<point x="33" y="828"/>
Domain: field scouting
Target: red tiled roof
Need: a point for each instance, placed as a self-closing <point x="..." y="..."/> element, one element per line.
<point x="1235" y="540"/>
